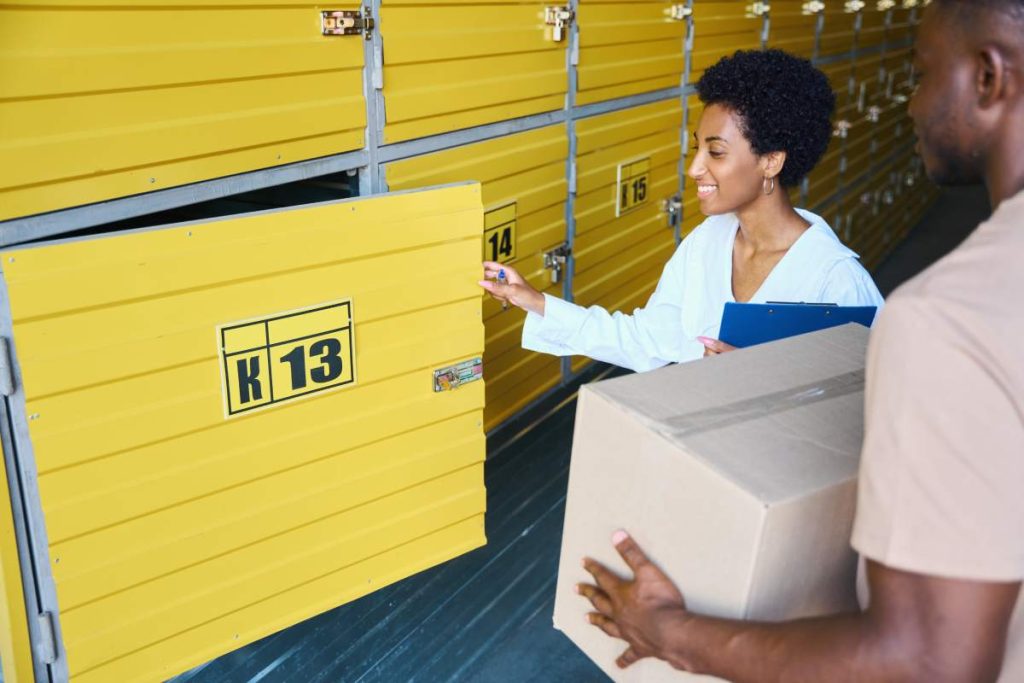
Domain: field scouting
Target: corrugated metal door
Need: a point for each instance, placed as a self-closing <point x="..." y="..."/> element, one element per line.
<point x="838" y="29"/>
<point x="454" y="65"/>
<point x="524" y="194"/>
<point x="628" y="47"/>
<point x="628" y="164"/>
<point x="237" y="424"/>
<point x="719" y="29"/>
<point x="104" y="100"/>
<point x="823" y="181"/>
<point x="794" y="27"/>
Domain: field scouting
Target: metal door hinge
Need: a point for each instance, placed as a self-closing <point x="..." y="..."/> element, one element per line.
<point x="555" y="260"/>
<point x="842" y="129"/>
<point x="842" y="164"/>
<point x="758" y="9"/>
<point x="572" y="177"/>
<point x="559" y="18"/>
<point x="813" y="7"/>
<point x="6" y="369"/>
<point x="347" y="22"/>
<point x="673" y="208"/>
<point x="852" y="6"/>
<point x="680" y="12"/>
<point x="47" y="645"/>
<point x="885" y="5"/>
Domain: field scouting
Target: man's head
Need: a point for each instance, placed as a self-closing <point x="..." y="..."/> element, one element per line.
<point x="969" y="59"/>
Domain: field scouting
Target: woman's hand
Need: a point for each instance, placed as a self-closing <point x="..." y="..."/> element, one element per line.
<point x="511" y="287"/>
<point x="713" y="347"/>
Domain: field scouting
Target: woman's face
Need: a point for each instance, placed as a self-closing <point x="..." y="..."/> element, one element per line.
<point x="727" y="173"/>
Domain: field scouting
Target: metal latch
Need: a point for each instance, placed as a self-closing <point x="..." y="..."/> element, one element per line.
<point x="346" y="22"/>
<point x="758" y="9"/>
<point x="852" y="6"/>
<point x="47" y="645"/>
<point x="680" y="12"/>
<point x="673" y="208"/>
<point x="842" y="129"/>
<point x="559" y="18"/>
<point x="885" y="5"/>
<point x="554" y="261"/>
<point x="874" y="112"/>
<point x="6" y="370"/>
<point x="813" y="7"/>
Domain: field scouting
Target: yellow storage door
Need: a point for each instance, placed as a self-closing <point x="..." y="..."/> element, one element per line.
<point x="524" y="193"/>
<point x="454" y="65"/>
<point x="110" y="99"/>
<point x="15" y="647"/>
<point x="873" y="19"/>
<point x="629" y="47"/>
<point x="721" y="28"/>
<point x="823" y="180"/>
<point x="838" y="28"/>
<point x="627" y="166"/>
<point x="241" y="423"/>
<point x="692" y="216"/>
<point x="793" y="26"/>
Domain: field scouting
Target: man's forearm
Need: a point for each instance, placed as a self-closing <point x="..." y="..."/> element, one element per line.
<point x="834" y="649"/>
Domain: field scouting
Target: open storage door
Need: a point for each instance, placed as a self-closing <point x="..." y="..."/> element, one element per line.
<point x="223" y="428"/>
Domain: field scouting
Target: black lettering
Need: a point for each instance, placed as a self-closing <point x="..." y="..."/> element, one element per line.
<point x="296" y="359"/>
<point x="249" y="386"/>
<point x="506" y="242"/>
<point x="329" y="352"/>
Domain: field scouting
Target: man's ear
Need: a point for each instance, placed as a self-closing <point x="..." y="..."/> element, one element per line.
<point x="772" y="163"/>
<point x="992" y="76"/>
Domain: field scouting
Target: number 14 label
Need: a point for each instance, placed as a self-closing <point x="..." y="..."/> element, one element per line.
<point x="632" y="185"/>
<point x="500" y="234"/>
<point x="286" y="356"/>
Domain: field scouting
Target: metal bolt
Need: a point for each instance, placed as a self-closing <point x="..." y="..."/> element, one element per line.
<point x="11" y="259"/>
<point x="152" y="180"/>
<point x="189" y="233"/>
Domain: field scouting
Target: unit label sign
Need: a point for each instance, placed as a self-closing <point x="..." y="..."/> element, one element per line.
<point x="633" y="179"/>
<point x="286" y="356"/>
<point x="500" y="234"/>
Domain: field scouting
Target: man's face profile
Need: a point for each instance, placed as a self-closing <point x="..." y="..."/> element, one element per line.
<point x="942" y="106"/>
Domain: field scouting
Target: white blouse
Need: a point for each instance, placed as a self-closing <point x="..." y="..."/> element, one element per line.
<point x="691" y="295"/>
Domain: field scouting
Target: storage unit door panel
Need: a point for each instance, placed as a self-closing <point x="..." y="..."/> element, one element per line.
<point x="872" y="27"/>
<point x="792" y="27"/>
<point x="692" y="216"/>
<point x="459" y="65"/>
<point x="105" y="101"/>
<point x="719" y="29"/>
<point x="628" y="48"/>
<point x="838" y="30"/>
<point x="618" y="258"/>
<point x="245" y="431"/>
<point x="15" y="648"/>
<point x="526" y="172"/>
<point x="901" y="27"/>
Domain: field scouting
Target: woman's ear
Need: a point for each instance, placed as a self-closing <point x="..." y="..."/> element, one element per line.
<point x="772" y="163"/>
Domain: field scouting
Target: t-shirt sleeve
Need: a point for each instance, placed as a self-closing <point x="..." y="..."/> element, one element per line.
<point x="941" y="488"/>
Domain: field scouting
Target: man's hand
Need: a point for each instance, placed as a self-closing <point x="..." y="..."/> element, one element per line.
<point x="713" y="347"/>
<point x="639" y="610"/>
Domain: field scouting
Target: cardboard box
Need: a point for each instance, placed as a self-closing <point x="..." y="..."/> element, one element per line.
<point x="737" y="475"/>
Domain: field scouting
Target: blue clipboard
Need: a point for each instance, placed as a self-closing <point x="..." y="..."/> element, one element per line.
<point x="751" y="324"/>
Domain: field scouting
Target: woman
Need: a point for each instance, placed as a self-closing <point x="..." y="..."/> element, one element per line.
<point x="766" y="123"/>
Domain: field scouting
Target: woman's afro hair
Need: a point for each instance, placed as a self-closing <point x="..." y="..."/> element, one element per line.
<point x="783" y="102"/>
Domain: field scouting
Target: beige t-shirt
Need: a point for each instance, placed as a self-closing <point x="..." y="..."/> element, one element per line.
<point x="941" y="489"/>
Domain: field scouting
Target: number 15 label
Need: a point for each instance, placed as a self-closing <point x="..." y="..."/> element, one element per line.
<point x="632" y="185"/>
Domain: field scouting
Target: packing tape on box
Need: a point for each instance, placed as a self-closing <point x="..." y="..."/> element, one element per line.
<point x="765" y="405"/>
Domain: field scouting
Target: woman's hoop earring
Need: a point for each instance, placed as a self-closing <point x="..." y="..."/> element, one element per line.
<point x="766" y="187"/>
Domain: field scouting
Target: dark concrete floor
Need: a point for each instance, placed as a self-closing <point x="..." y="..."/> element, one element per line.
<point x="486" y="616"/>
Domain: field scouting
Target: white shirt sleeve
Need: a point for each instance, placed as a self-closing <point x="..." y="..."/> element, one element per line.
<point x="649" y="338"/>
<point x="848" y="284"/>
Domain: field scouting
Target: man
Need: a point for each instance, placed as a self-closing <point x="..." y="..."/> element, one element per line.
<point x="940" y="516"/>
